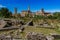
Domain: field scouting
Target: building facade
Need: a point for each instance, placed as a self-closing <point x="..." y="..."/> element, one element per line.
<point x="26" y="13"/>
<point x="43" y="13"/>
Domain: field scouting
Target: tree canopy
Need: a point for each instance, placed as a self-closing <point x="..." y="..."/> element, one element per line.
<point x="56" y="15"/>
<point x="4" y="12"/>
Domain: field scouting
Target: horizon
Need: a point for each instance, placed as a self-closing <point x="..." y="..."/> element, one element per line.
<point x="35" y="5"/>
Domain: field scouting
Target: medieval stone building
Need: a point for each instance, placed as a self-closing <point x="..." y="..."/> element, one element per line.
<point x="26" y="13"/>
<point x="43" y="13"/>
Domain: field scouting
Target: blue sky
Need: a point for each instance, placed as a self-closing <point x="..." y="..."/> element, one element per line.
<point x="35" y="5"/>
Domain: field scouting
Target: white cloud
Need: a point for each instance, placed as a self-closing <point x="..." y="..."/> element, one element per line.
<point x="53" y="10"/>
<point x="2" y="6"/>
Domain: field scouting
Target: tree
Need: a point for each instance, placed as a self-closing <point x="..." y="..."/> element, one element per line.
<point x="5" y="12"/>
<point x="39" y="16"/>
<point x="50" y="17"/>
<point x="56" y="15"/>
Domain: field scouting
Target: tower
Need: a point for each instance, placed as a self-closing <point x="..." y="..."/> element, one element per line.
<point x="28" y="8"/>
<point x="29" y="12"/>
<point x="42" y="10"/>
<point x="15" y="12"/>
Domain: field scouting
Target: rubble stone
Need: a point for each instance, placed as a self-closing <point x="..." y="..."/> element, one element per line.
<point x="35" y="36"/>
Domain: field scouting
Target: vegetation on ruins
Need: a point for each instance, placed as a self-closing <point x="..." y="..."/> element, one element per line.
<point x="56" y="15"/>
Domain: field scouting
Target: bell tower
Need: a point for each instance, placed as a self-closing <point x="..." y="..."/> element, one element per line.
<point x="28" y="8"/>
<point x="29" y="12"/>
<point x="42" y="10"/>
<point x="15" y="12"/>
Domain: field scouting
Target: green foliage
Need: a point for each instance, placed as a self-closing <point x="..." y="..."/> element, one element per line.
<point x="56" y="15"/>
<point x="51" y="17"/>
<point x="39" y="17"/>
<point x="5" y="13"/>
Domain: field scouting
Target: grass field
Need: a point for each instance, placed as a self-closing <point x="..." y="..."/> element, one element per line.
<point x="45" y="31"/>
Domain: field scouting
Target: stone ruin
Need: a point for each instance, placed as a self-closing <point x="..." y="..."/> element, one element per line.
<point x="38" y="36"/>
<point x="9" y="37"/>
<point x="31" y="23"/>
<point x="47" y="25"/>
<point x="9" y="23"/>
<point x="35" y="36"/>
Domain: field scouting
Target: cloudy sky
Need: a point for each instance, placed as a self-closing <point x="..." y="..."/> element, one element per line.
<point x="35" y="5"/>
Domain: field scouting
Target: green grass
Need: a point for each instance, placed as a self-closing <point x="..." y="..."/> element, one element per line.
<point x="57" y="39"/>
<point x="45" y="31"/>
